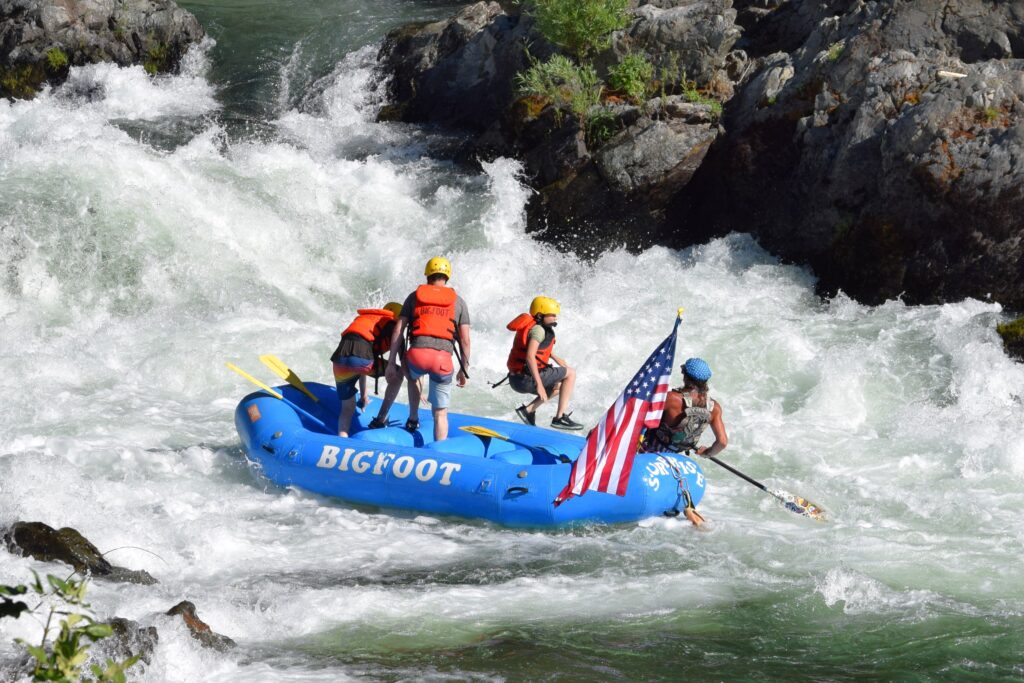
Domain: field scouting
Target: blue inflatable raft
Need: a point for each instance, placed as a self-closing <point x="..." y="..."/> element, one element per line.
<point x="511" y="482"/>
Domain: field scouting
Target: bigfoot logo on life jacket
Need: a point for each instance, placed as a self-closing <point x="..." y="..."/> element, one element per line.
<point x="434" y="313"/>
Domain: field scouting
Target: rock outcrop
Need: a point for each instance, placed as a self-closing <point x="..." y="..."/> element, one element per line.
<point x="41" y="39"/>
<point x="886" y="150"/>
<point x="881" y="142"/>
<point x="47" y="544"/>
<point x="592" y="190"/>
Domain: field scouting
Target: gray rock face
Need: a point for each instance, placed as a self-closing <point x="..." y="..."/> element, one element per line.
<point x="461" y="71"/>
<point x="658" y="156"/>
<point x="41" y="39"/>
<point x="863" y="154"/>
<point x="689" y="38"/>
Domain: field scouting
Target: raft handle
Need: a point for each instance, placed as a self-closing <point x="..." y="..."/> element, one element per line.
<point x="268" y="448"/>
<point x="517" y="489"/>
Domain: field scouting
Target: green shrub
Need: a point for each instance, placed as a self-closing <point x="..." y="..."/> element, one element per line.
<point x="62" y="658"/>
<point x="632" y="76"/>
<point x="56" y="59"/>
<point x="601" y="125"/>
<point x="835" y="51"/>
<point x="562" y="83"/>
<point x="579" y="26"/>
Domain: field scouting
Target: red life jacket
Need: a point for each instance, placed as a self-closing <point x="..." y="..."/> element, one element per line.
<point x="369" y="325"/>
<point x="522" y="325"/>
<point x="434" y="313"/>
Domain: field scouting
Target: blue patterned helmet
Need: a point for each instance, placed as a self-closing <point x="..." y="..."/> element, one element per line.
<point x="698" y="369"/>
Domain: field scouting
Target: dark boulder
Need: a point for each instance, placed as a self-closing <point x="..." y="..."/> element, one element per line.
<point x="41" y="39"/>
<point x="199" y="629"/>
<point x="865" y="154"/>
<point x="47" y="544"/>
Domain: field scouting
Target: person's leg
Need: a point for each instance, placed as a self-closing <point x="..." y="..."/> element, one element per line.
<point x="348" y="407"/>
<point x="414" y="395"/>
<point x="346" y="383"/>
<point x="440" y="423"/>
<point x="390" y="394"/>
<point x="440" y="395"/>
<point x="564" y="391"/>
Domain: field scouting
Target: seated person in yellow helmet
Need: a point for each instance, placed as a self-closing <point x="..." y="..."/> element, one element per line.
<point x="438" y="319"/>
<point x="529" y="364"/>
<point x="360" y="353"/>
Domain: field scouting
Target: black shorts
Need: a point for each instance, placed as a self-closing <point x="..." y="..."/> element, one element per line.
<point x="550" y="376"/>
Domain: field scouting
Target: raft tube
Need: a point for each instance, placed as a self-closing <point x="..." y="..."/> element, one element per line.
<point x="512" y="483"/>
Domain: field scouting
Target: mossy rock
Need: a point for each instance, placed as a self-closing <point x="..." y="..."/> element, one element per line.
<point x="22" y="81"/>
<point x="1013" y="337"/>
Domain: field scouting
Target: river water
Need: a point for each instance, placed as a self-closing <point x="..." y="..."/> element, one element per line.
<point x="151" y="230"/>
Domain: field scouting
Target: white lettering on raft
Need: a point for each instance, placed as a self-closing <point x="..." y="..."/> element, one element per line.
<point x="401" y="466"/>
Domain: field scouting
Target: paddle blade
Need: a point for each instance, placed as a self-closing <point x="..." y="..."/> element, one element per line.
<point x="800" y="506"/>
<point x="287" y="374"/>
<point x="252" y="379"/>
<point x="483" y="431"/>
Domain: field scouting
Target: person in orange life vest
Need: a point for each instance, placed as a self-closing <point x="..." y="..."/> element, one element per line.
<point x="360" y="353"/>
<point x="437" y="318"/>
<point x="530" y="371"/>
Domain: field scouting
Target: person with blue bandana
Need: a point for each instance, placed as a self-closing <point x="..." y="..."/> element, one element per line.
<point x="689" y="410"/>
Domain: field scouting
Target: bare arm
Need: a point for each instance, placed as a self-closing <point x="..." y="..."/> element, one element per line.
<point x="396" y="339"/>
<point x="531" y="365"/>
<point x="718" y="428"/>
<point x="465" y="344"/>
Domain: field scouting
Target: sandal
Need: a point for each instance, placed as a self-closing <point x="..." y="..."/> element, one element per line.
<point x="377" y="423"/>
<point x="412" y="425"/>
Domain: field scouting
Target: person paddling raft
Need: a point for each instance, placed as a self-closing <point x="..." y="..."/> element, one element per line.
<point x="689" y="410"/>
<point x="438" y="320"/>
<point x="360" y="354"/>
<point x="529" y="364"/>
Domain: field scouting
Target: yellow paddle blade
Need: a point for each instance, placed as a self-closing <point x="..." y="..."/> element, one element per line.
<point x="255" y="381"/>
<point x="679" y="313"/>
<point x="484" y="431"/>
<point x="286" y="373"/>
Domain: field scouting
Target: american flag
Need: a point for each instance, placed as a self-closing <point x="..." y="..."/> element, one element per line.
<point x="606" y="460"/>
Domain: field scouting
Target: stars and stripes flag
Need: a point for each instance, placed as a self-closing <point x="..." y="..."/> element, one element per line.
<point x="605" y="462"/>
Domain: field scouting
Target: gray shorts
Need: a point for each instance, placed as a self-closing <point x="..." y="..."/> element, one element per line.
<point x="549" y="377"/>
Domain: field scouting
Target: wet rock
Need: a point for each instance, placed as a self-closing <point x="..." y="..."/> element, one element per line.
<point x="41" y="39"/>
<point x="862" y="152"/>
<point x="199" y="629"/>
<point x="459" y="71"/>
<point x="129" y="640"/>
<point x="47" y="544"/>
<point x="1013" y="338"/>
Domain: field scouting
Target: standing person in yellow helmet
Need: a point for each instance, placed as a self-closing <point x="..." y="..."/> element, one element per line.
<point x="438" y="320"/>
<point x="360" y="353"/>
<point x="529" y="364"/>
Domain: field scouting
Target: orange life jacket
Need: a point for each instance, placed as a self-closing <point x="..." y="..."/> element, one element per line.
<point x="369" y="325"/>
<point x="434" y="313"/>
<point x="522" y="325"/>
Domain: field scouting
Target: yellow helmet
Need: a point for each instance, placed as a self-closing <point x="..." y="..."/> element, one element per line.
<point x="544" y="305"/>
<point x="438" y="265"/>
<point x="394" y="307"/>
